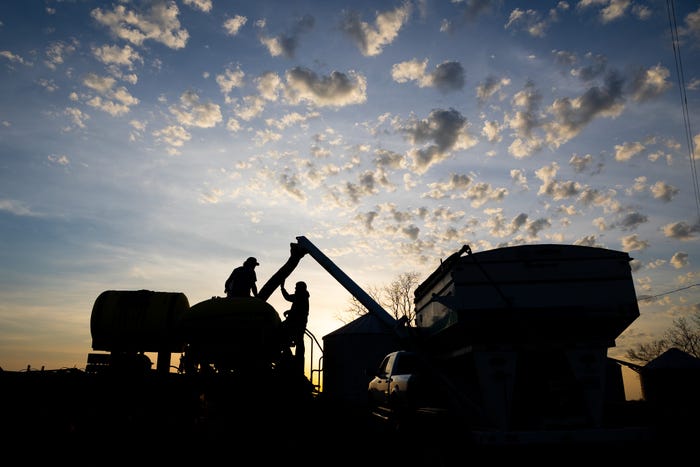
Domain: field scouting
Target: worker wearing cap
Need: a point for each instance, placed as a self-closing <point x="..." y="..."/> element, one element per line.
<point x="241" y="282"/>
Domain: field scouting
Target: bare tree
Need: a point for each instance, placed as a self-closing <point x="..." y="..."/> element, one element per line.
<point x="398" y="296"/>
<point x="648" y="352"/>
<point x="683" y="335"/>
<point x="355" y="309"/>
<point x="395" y="297"/>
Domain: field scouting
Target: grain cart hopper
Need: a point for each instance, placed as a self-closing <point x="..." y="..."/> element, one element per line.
<point x="522" y="333"/>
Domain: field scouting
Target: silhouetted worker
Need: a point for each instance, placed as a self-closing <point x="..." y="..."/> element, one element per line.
<point x="241" y="282"/>
<point x="295" y="320"/>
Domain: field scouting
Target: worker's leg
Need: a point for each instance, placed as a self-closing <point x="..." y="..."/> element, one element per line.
<point x="299" y="353"/>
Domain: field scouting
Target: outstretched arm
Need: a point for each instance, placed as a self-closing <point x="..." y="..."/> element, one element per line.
<point x="286" y="294"/>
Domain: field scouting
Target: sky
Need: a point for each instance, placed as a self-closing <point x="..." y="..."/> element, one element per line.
<point x="156" y="145"/>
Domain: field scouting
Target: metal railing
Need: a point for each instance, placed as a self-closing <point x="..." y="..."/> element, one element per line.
<point x="315" y="372"/>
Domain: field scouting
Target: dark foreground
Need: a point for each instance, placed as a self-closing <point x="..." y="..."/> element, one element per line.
<point x="87" y="419"/>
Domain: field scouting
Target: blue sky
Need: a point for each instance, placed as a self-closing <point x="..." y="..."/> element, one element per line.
<point x="156" y="145"/>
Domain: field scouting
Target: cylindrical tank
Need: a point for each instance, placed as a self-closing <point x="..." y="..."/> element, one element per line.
<point x="137" y="321"/>
<point x="232" y="333"/>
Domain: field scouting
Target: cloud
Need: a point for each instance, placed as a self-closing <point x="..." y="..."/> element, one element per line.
<point x="251" y="107"/>
<point x="680" y="230"/>
<point x="101" y="84"/>
<point x="691" y="28"/>
<point x="58" y="159"/>
<point x="524" y="120"/>
<point x="291" y="185"/>
<point x="286" y="44"/>
<point x="461" y="187"/>
<point x="482" y="192"/>
<point x="490" y="87"/>
<point x="233" y="125"/>
<point x="447" y="76"/>
<point x="593" y="197"/>
<point x="13" y="57"/>
<point x="588" y="240"/>
<point x="556" y="189"/>
<point x="350" y="193"/>
<point x="625" y="151"/>
<point x="115" y="101"/>
<point x="158" y="23"/>
<point x="679" y="259"/>
<point x="203" y="5"/>
<point x="532" y="21"/>
<point x="533" y="228"/>
<point x="631" y="221"/>
<point x="17" y="208"/>
<point x="648" y="84"/>
<point x="174" y="136"/>
<point x="443" y="130"/>
<point x="411" y="232"/>
<point x="213" y="196"/>
<point x="456" y="182"/>
<point x="57" y="51"/>
<point x="492" y="131"/>
<point x="269" y="85"/>
<point x="115" y="55"/>
<point x="566" y="117"/>
<point x="519" y="178"/>
<point x="570" y="116"/>
<point x="611" y="9"/>
<point x="366" y="219"/>
<point x="336" y="90"/>
<point x="291" y="119"/>
<point x="234" y="25"/>
<point x="411" y="70"/>
<point x="191" y="112"/>
<point x="372" y="39"/>
<point x="470" y="10"/>
<point x="663" y="191"/>
<point x="76" y="116"/>
<point x="632" y="243"/>
<point x="262" y="137"/>
<point x="594" y="70"/>
<point x="389" y="159"/>
<point x="579" y="163"/>
<point x="229" y="79"/>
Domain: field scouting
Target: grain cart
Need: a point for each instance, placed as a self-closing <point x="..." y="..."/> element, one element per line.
<point x="520" y="335"/>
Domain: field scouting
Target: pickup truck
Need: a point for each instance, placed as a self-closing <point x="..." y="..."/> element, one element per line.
<point x="400" y="388"/>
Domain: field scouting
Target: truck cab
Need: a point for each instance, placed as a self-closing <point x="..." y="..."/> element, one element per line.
<point x="397" y="388"/>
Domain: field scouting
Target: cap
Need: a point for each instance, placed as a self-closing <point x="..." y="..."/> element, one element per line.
<point x="252" y="260"/>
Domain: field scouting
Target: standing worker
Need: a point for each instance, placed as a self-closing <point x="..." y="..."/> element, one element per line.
<point x="295" y="320"/>
<point x="241" y="282"/>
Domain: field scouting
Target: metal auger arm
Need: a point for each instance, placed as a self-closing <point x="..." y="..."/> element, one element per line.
<point x="350" y="285"/>
<point x="296" y="253"/>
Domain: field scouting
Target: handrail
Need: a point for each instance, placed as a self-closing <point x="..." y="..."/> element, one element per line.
<point x="318" y="372"/>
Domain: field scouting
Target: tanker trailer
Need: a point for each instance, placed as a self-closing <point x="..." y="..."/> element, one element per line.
<point x="129" y="323"/>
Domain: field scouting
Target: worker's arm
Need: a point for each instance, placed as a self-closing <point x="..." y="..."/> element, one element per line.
<point x="285" y="294"/>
